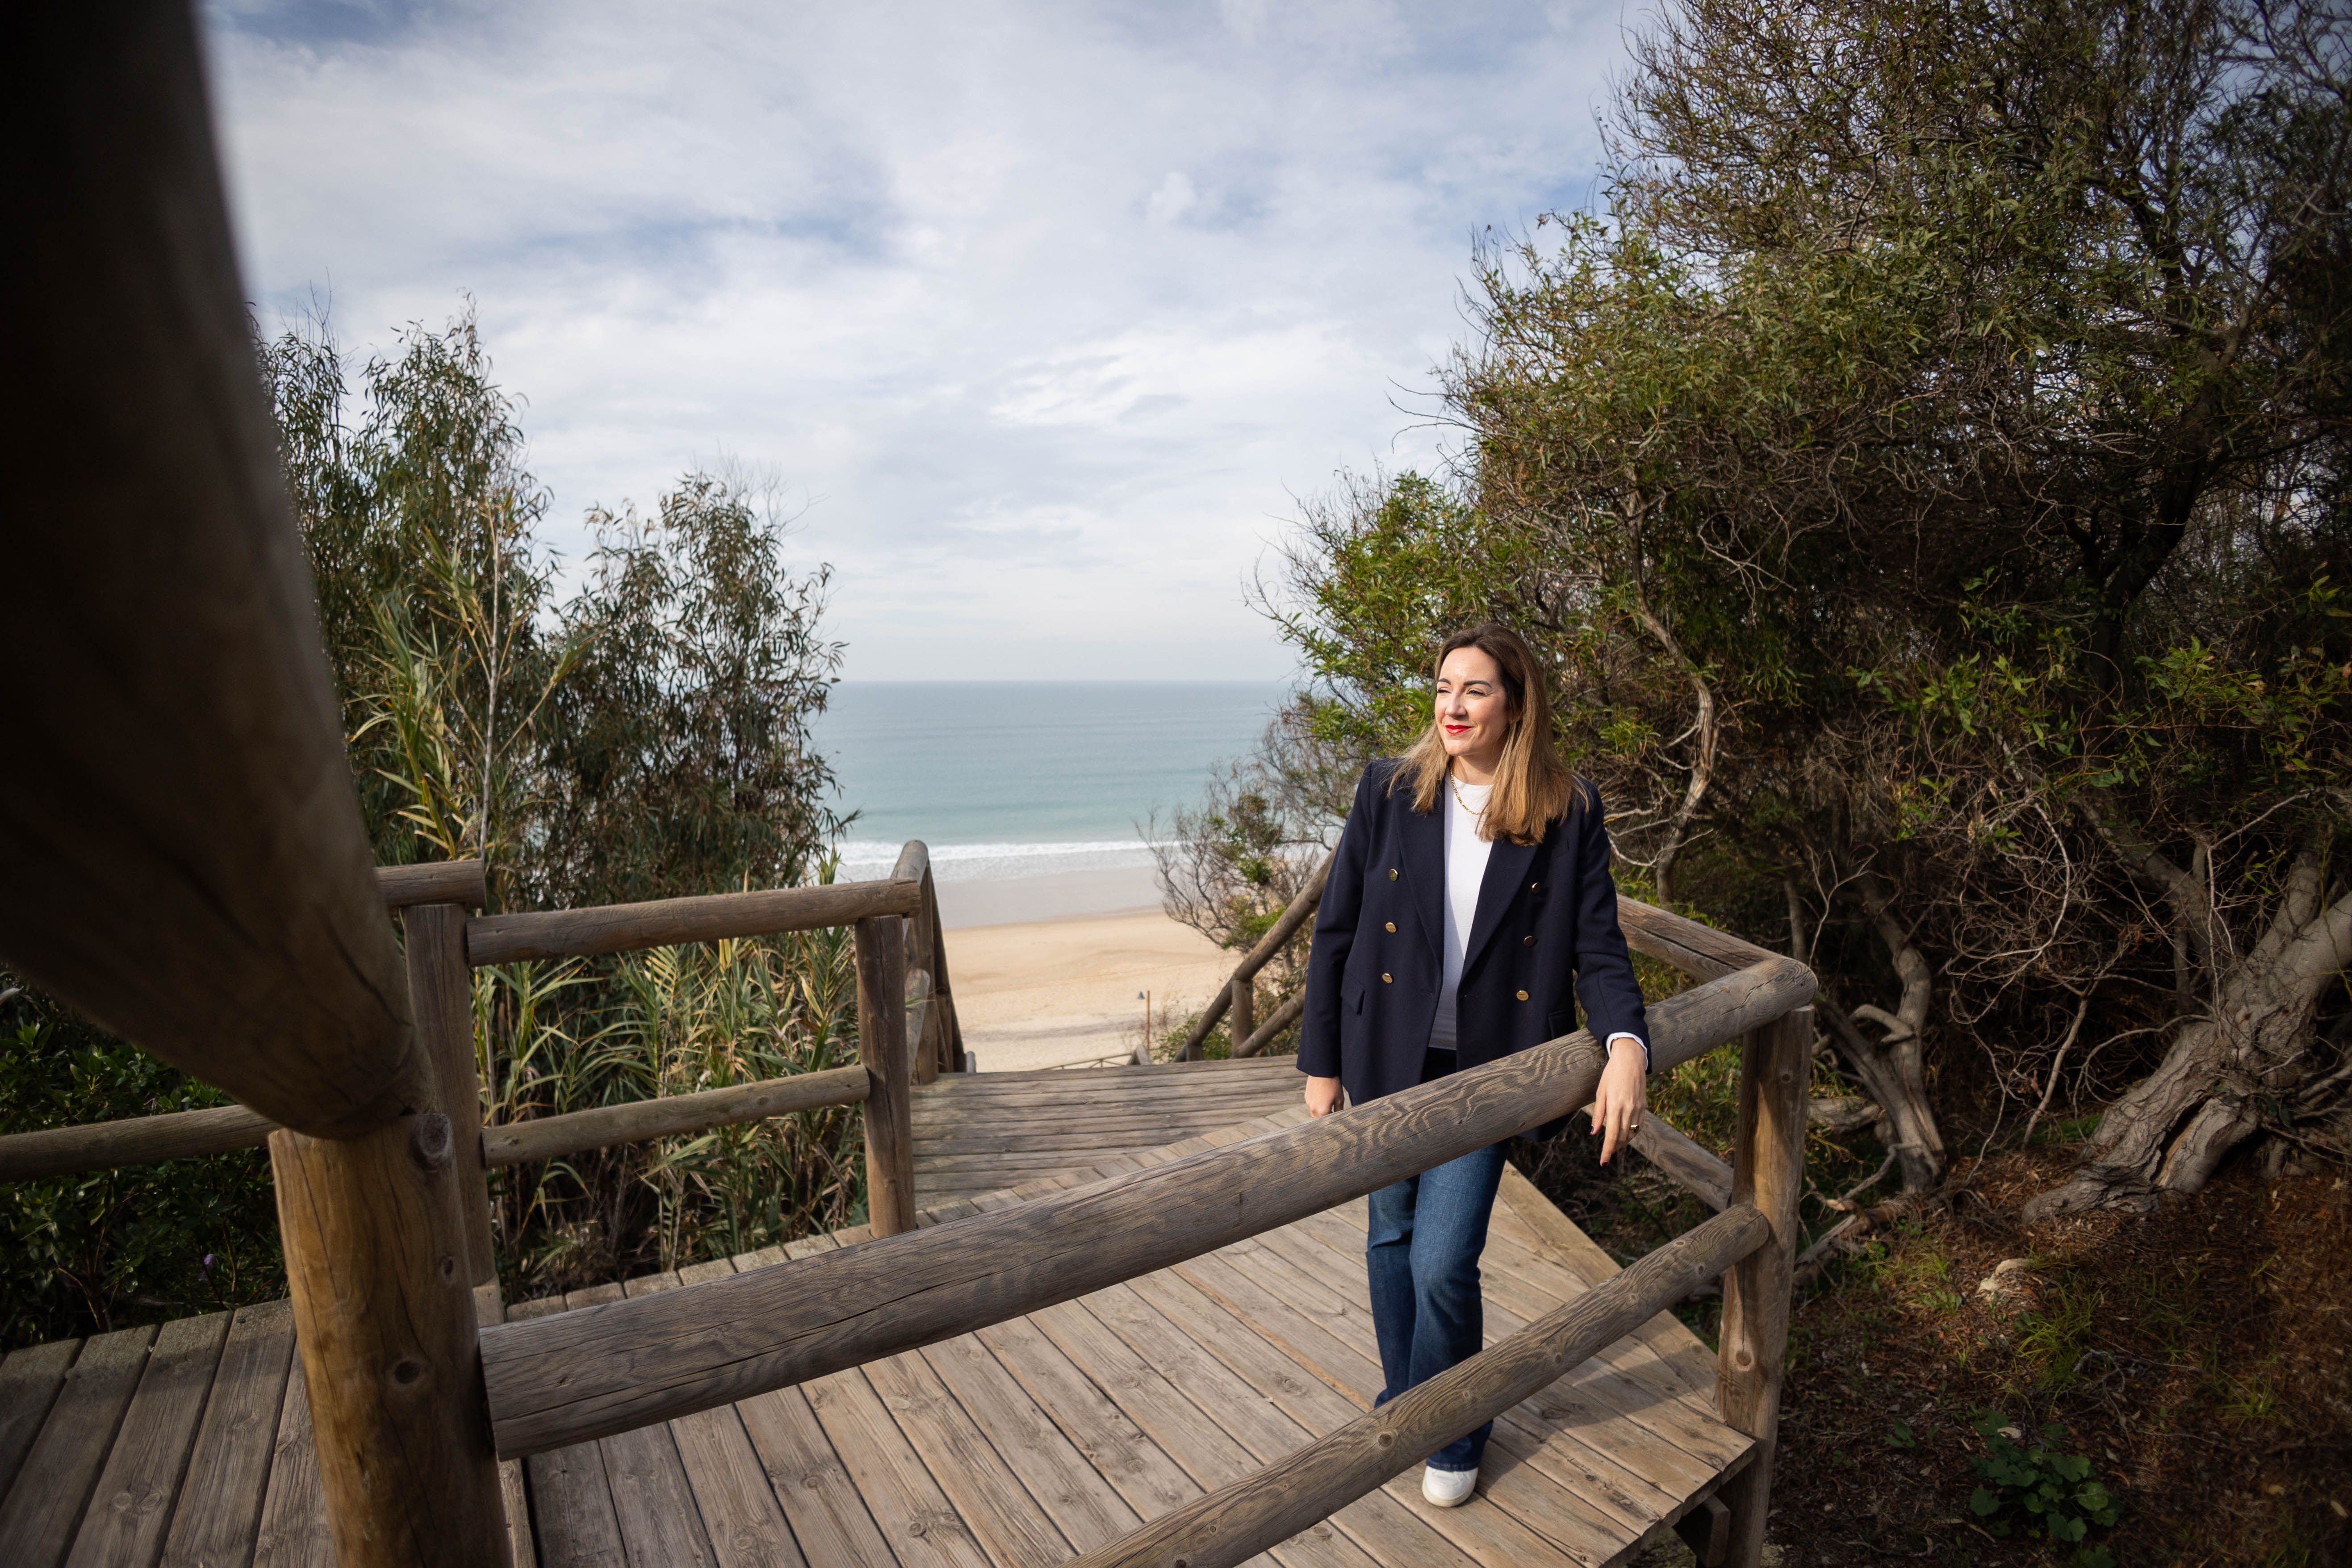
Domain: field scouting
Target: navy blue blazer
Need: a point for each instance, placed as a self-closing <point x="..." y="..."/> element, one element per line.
<point x="1547" y="918"/>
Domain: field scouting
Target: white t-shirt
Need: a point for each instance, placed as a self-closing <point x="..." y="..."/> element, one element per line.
<point x="1466" y="868"/>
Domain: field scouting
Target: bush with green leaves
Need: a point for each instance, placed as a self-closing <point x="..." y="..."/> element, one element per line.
<point x="2041" y="1490"/>
<point x="647" y="734"/>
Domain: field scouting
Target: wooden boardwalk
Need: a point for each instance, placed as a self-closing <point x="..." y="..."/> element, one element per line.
<point x="1023" y="1444"/>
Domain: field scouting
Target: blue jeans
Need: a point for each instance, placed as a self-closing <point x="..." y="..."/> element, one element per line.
<point x="1422" y="1247"/>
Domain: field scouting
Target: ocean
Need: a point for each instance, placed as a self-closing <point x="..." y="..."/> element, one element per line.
<point x="1013" y="779"/>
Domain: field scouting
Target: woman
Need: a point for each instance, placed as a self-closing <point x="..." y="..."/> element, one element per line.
<point x="1470" y="883"/>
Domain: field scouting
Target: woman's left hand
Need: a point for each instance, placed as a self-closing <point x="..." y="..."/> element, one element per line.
<point x="1624" y="1091"/>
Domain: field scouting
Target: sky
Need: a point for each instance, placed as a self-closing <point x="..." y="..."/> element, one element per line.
<point x="1041" y="320"/>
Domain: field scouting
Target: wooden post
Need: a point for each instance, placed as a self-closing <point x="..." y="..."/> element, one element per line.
<point x="441" y="994"/>
<point x="1244" y="1010"/>
<point x="882" y="1045"/>
<point x="384" y="1315"/>
<point x="952" y="1051"/>
<point x="181" y="850"/>
<point x="1767" y="1171"/>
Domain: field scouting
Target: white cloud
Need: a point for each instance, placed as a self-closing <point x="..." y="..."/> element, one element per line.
<point x="1048" y="310"/>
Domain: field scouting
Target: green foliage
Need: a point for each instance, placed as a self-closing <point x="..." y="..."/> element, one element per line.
<point x="2040" y="1490"/>
<point x="1963" y="423"/>
<point x="113" y="1248"/>
<point x="646" y="736"/>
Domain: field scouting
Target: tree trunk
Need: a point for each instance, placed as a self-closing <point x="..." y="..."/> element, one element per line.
<point x="2169" y="1131"/>
<point x="1894" y="1071"/>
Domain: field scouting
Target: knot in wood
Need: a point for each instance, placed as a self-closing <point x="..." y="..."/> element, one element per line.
<point x="430" y="1143"/>
<point x="406" y="1370"/>
<point x="1386" y="1440"/>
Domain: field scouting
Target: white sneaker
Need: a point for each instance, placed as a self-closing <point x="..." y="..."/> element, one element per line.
<point x="1447" y="1488"/>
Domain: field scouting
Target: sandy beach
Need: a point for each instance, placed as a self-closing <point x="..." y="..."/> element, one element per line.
<point x="1043" y="993"/>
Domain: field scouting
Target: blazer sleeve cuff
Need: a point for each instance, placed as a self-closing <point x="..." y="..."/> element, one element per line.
<point x="1629" y="1034"/>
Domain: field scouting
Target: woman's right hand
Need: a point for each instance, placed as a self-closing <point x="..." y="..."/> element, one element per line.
<point x="1322" y="1096"/>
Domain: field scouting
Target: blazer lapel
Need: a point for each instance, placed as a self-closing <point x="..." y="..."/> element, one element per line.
<point x="1424" y="839"/>
<point x="1507" y="867"/>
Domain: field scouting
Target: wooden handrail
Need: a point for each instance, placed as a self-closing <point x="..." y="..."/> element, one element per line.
<point x="1278" y="937"/>
<point x="664" y="923"/>
<point x="552" y="1137"/>
<point x="1314" y="1481"/>
<point x="601" y="1370"/>
<point x="463" y="882"/>
<point x="133" y="1140"/>
<point x="1283" y="1017"/>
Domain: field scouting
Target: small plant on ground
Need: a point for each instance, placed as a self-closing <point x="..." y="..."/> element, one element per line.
<point x="2040" y="1487"/>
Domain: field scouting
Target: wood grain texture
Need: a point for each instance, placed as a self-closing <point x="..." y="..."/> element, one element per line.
<point x="384" y="1317"/>
<point x="659" y="1520"/>
<point x="294" y="1532"/>
<point x="882" y="1046"/>
<point x="552" y="1137"/>
<point x="572" y="1522"/>
<point x="29" y="1381"/>
<point x="441" y="997"/>
<point x="42" y="1512"/>
<point x="133" y="1141"/>
<point x="664" y="923"/>
<point x="1275" y="1503"/>
<point x="921" y="933"/>
<point x="1690" y="946"/>
<point x="187" y="863"/>
<point x="739" y="1511"/>
<point x="463" y="882"/>
<point x="608" y="1369"/>
<point x="131" y="1508"/>
<point x="1769" y="1172"/>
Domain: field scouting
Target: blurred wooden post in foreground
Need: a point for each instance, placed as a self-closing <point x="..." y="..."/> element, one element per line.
<point x="186" y="862"/>
<point x="1769" y="1172"/>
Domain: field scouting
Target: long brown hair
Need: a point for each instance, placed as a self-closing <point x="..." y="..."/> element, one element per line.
<point x="1533" y="787"/>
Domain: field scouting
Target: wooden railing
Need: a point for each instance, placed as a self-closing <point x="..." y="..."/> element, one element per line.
<point x="434" y="899"/>
<point x="1699" y="952"/>
<point x="1239" y="991"/>
<point x="184" y="860"/>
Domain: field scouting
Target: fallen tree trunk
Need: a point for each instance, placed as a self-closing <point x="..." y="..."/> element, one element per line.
<point x="2256" y="1044"/>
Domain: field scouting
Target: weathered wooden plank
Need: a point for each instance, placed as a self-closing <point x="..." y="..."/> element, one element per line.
<point x="664" y="923"/>
<point x="29" y="1381"/>
<point x="1384" y="1527"/>
<point x="463" y="882"/>
<point x="1210" y="1455"/>
<point x="133" y="1140"/>
<point x="915" y="1516"/>
<point x="1599" y="1463"/>
<point x="218" y="1515"/>
<point x="550" y="1137"/>
<point x="1625" y="1382"/>
<point x="1085" y="1508"/>
<point x="573" y="1524"/>
<point x="1270" y="1504"/>
<point x="293" y="1509"/>
<point x="740" y="1513"/>
<point x="1003" y="1517"/>
<point x="43" y="1509"/>
<point x="1538" y="1521"/>
<point x="441" y="994"/>
<point x="660" y="1521"/>
<point x="554" y="1380"/>
<point x="131" y="1508"/>
<point x="1146" y="1478"/>
<point x="828" y="1517"/>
